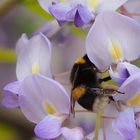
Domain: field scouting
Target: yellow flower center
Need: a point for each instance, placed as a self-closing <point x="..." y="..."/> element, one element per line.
<point x="93" y="3"/>
<point x="50" y="108"/>
<point x="135" y="100"/>
<point x="116" y="51"/>
<point x="35" y="68"/>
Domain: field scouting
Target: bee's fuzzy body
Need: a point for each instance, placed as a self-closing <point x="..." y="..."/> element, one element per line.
<point x="84" y="79"/>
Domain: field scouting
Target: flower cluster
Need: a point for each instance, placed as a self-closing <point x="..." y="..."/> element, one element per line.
<point x="112" y="43"/>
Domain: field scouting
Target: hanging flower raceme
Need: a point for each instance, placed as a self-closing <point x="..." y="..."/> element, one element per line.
<point x="46" y="103"/>
<point x="128" y="77"/>
<point x="79" y="11"/>
<point x="33" y="57"/>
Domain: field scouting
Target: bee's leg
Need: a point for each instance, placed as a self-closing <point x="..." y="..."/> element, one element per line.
<point x="111" y="89"/>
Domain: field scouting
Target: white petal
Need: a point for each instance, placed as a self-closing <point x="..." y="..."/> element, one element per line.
<point x="36" y="92"/>
<point x="110" y="28"/>
<point x="36" y="53"/>
<point x="73" y="134"/>
<point x="21" y="44"/>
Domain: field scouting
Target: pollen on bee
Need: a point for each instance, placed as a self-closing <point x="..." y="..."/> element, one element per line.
<point x="116" y="51"/>
<point x="80" y="61"/>
<point x="35" y="68"/>
<point x="78" y="92"/>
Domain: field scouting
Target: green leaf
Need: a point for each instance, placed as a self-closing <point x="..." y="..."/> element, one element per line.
<point x="7" y="55"/>
<point x="34" y="6"/>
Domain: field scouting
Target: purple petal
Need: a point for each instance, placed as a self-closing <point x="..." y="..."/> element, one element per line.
<point x="48" y="128"/>
<point x="38" y="90"/>
<point x="125" y="124"/>
<point x="73" y="134"/>
<point x="120" y="74"/>
<point x="132" y="69"/>
<point x="115" y="76"/>
<point x="13" y="87"/>
<point x="130" y="87"/>
<point x="10" y="100"/>
<point x="59" y="11"/>
<point x="123" y="71"/>
<point x="82" y="16"/>
<point x="37" y="52"/>
<point x="78" y="21"/>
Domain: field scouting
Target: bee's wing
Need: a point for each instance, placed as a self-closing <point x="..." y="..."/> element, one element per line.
<point x="74" y="74"/>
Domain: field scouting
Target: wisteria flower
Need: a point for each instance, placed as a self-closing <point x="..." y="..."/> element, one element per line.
<point x="113" y="38"/>
<point x="33" y="57"/>
<point x="122" y="72"/>
<point x="116" y="38"/>
<point x="46" y="103"/>
<point x="80" y="12"/>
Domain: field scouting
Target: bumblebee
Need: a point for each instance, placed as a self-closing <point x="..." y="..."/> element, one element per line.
<point x="86" y="86"/>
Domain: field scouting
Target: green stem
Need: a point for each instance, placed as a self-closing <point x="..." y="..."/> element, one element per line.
<point x="98" y="121"/>
<point x="7" y="55"/>
<point x="7" y="5"/>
